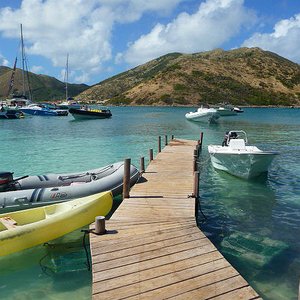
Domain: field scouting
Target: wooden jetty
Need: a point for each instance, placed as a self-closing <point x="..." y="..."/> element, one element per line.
<point x="153" y="248"/>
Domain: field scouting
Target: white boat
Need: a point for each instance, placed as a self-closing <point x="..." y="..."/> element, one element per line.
<point x="203" y="114"/>
<point x="224" y="111"/>
<point x="238" y="110"/>
<point x="18" y="101"/>
<point x="69" y="103"/>
<point x="237" y="158"/>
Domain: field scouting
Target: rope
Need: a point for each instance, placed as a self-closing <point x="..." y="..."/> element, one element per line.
<point x="88" y="264"/>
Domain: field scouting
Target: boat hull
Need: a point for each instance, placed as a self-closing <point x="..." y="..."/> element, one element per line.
<point x="243" y="165"/>
<point x="81" y="114"/>
<point x="35" y="191"/>
<point x="39" y="225"/>
<point x="209" y="115"/>
<point x="226" y="112"/>
<point x="35" y="112"/>
<point x="11" y="114"/>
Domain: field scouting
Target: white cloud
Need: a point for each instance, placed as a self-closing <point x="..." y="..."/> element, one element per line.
<point x="53" y="28"/>
<point x="3" y="61"/>
<point x="37" y="69"/>
<point x="284" y="40"/>
<point x="215" y="22"/>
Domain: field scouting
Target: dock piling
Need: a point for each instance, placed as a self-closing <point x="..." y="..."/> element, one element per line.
<point x="100" y="225"/>
<point x="126" y="178"/>
<point x="200" y="141"/>
<point x="159" y="144"/>
<point x="196" y="191"/>
<point x="142" y="165"/>
<point x="150" y="154"/>
<point x="195" y="160"/>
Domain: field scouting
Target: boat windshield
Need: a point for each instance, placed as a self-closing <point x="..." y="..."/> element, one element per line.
<point x="234" y="134"/>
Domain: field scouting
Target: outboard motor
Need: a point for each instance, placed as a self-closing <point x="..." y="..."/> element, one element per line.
<point x="6" y="178"/>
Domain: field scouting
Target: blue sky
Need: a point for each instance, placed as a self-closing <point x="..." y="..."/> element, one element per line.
<point x="106" y="37"/>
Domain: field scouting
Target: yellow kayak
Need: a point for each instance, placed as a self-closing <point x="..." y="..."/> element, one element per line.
<point x="27" y="228"/>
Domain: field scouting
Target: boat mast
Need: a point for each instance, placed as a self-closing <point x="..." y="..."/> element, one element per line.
<point x="25" y="72"/>
<point x="67" y="76"/>
<point x="23" y="60"/>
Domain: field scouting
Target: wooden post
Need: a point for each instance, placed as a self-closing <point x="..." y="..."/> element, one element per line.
<point x="159" y="144"/>
<point x="142" y="167"/>
<point x="195" y="160"/>
<point x="151" y="154"/>
<point x="196" y="191"/>
<point x="166" y="140"/>
<point x="100" y="225"/>
<point x="201" y="140"/>
<point x="126" y="178"/>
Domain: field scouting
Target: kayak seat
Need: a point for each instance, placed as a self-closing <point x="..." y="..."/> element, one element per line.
<point x="8" y="222"/>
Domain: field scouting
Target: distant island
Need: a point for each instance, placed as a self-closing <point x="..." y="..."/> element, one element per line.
<point x="244" y="76"/>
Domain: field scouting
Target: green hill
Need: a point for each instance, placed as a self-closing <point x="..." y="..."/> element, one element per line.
<point x="245" y="76"/>
<point x="43" y="87"/>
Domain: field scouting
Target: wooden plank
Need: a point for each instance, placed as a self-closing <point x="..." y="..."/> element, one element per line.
<point x="8" y="222"/>
<point x="118" y="246"/>
<point x="119" y="272"/>
<point x="154" y="249"/>
<point x="151" y="273"/>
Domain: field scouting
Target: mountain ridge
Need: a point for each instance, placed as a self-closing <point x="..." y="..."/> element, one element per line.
<point x="243" y="76"/>
<point x="43" y="87"/>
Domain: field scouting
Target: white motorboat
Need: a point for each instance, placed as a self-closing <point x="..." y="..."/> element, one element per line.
<point x="224" y="111"/>
<point x="238" y="110"/>
<point x="239" y="159"/>
<point x="203" y="114"/>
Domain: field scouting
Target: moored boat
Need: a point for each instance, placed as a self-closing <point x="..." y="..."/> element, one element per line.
<point x="237" y="158"/>
<point x="203" y="114"/>
<point x="32" y="191"/>
<point x="224" y="111"/>
<point x="10" y="113"/>
<point x="87" y="113"/>
<point x="42" y="110"/>
<point x="28" y="228"/>
<point x="238" y="110"/>
<point x="70" y="103"/>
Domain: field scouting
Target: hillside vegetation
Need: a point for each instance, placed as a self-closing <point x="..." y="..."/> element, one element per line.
<point x="245" y="76"/>
<point x="43" y="87"/>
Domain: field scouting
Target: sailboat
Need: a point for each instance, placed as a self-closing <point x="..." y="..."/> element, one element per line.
<point x="23" y="104"/>
<point x="69" y="102"/>
<point x="10" y="110"/>
<point x="23" y="98"/>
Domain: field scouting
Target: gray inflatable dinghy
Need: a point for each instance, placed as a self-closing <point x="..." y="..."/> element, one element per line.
<point x="33" y="191"/>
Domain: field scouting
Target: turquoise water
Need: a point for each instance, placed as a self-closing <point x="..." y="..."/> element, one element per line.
<point x="254" y="223"/>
